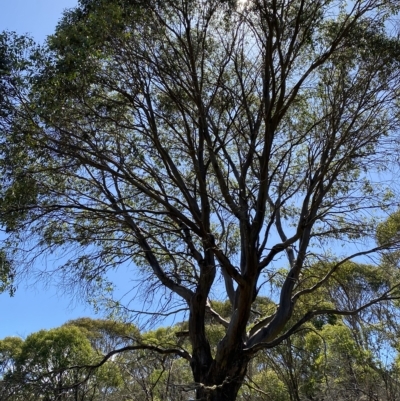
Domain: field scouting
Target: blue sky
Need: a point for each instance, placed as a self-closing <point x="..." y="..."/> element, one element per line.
<point x="34" y="307"/>
<point x="36" y="17"/>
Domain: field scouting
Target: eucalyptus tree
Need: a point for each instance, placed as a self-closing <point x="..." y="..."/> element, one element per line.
<point x="206" y="144"/>
<point x="39" y="367"/>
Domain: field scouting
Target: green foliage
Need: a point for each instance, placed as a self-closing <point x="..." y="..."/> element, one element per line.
<point x="50" y="364"/>
<point x="106" y="335"/>
<point x="56" y="348"/>
<point x="7" y="272"/>
<point x="388" y="231"/>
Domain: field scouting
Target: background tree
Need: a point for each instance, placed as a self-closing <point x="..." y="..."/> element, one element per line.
<point x="202" y="141"/>
<point x="324" y="361"/>
<point x="39" y="367"/>
<point x="54" y="365"/>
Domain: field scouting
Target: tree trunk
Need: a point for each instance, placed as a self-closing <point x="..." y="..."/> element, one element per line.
<point x="222" y="383"/>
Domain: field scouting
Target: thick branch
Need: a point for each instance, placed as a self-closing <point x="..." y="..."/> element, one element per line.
<point x="254" y="348"/>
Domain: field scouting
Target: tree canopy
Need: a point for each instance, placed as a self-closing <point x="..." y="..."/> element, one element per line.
<point x="244" y="149"/>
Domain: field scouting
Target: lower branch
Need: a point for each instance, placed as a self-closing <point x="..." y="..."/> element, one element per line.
<point x="311" y="314"/>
